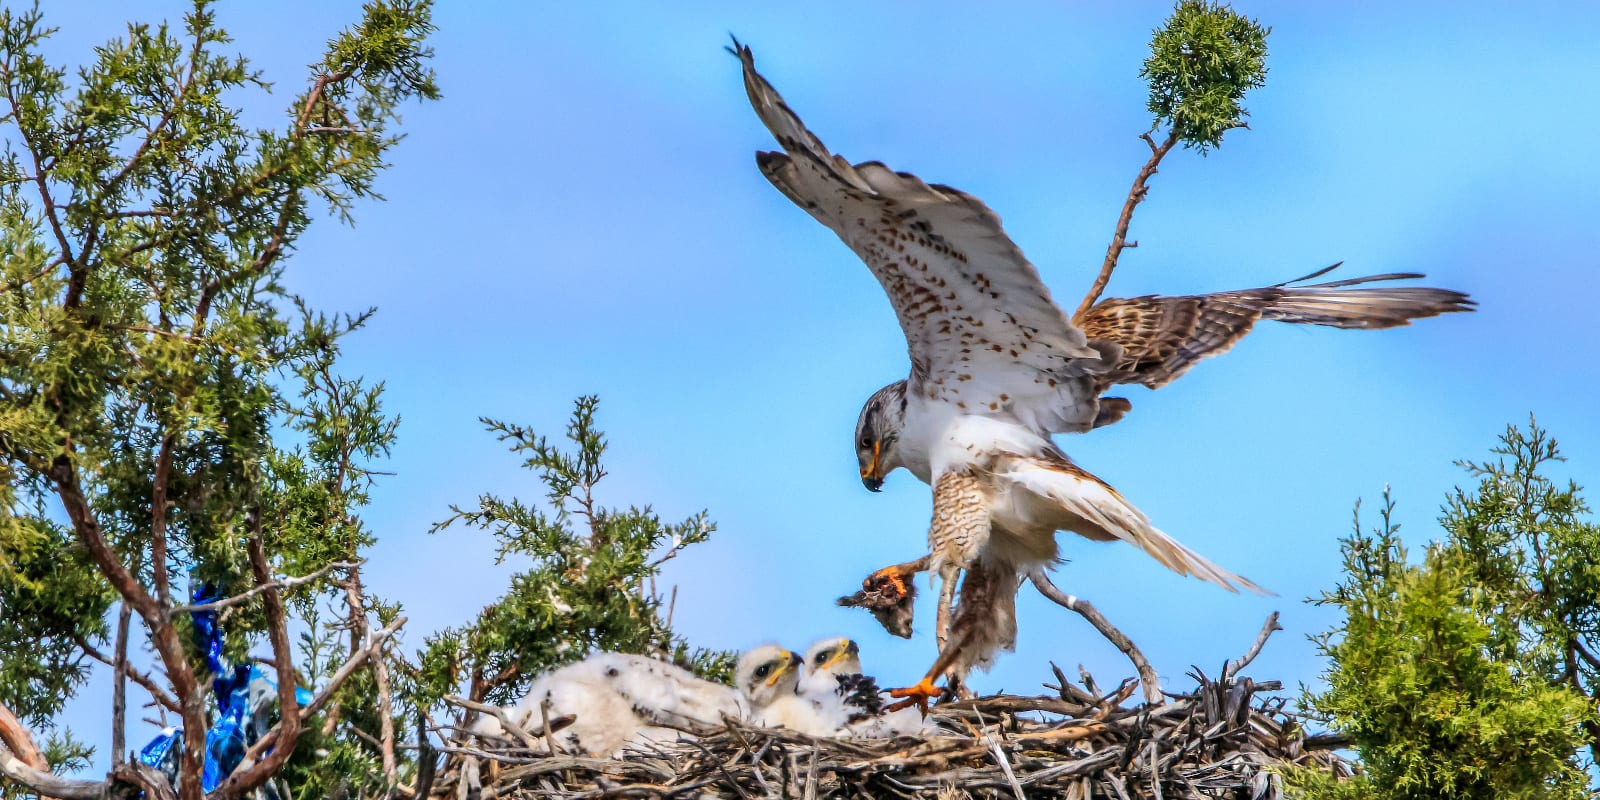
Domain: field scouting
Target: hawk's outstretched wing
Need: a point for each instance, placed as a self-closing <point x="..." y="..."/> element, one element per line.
<point x="982" y="331"/>
<point x="1162" y="337"/>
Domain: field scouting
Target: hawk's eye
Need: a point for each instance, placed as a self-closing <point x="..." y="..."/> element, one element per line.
<point x="822" y="658"/>
<point x="866" y="442"/>
<point x="763" y="670"/>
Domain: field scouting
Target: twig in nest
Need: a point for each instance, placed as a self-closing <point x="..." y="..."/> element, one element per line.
<point x="1255" y="649"/>
<point x="1147" y="674"/>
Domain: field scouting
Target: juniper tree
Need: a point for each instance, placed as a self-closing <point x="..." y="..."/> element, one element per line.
<point x="1203" y="60"/>
<point x="1471" y="673"/>
<point x="591" y="585"/>
<point x="168" y="412"/>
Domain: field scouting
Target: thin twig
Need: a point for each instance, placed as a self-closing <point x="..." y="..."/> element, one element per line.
<point x="275" y="585"/>
<point x="1119" y="239"/>
<point x="119" y="687"/>
<point x="1147" y="674"/>
<point x="144" y="680"/>
<point x="1255" y="649"/>
<point x="322" y="697"/>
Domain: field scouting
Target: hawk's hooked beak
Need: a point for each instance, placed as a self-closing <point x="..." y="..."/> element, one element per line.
<point x="784" y="666"/>
<point x="871" y="477"/>
<point x="848" y="650"/>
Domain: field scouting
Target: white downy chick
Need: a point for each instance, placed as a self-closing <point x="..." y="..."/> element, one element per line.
<point x="848" y="700"/>
<point x="616" y="698"/>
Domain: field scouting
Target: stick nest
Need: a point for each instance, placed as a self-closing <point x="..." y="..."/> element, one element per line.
<point x="1220" y="741"/>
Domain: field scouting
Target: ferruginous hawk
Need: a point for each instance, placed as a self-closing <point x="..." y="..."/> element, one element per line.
<point x="997" y="368"/>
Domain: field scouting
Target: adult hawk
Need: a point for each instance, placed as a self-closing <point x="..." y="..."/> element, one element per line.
<point x="997" y="368"/>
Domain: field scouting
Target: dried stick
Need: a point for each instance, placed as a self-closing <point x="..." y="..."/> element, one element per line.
<point x="21" y="761"/>
<point x="427" y="761"/>
<point x="279" y="585"/>
<point x="321" y="699"/>
<point x="500" y="714"/>
<point x="1255" y="649"/>
<point x="119" y="688"/>
<point x="391" y="771"/>
<point x="361" y="632"/>
<point x="43" y="782"/>
<point x="1119" y="239"/>
<point x="1147" y="674"/>
<point x="144" y="680"/>
<point x="158" y="521"/>
<point x="146" y="777"/>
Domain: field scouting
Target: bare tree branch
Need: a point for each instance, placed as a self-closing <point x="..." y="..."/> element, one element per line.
<point x="158" y="520"/>
<point x="275" y="585"/>
<point x="1255" y="649"/>
<point x="229" y="789"/>
<point x="144" y="679"/>
<point x="119" y="688"/>
<point x="43" y="782"/>
<point x="1119" y="239"/>
<point x="1147" y="674"/>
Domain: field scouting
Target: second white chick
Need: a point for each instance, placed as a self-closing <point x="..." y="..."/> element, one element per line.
<point x="848" y="700"/>
<point x="769" y="678"/>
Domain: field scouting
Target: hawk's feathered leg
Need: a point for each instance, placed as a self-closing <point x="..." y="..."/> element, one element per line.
<point x="958" y="533"/>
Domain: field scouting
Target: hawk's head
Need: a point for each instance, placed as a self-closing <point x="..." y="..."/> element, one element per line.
<point x="767" y="673"/>
<point x="877" y="433"/>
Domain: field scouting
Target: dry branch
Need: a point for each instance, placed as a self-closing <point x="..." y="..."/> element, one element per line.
<point x="1119" y="238"/>
<point x="279" y="584"/>
<point x="1147" y="674"/>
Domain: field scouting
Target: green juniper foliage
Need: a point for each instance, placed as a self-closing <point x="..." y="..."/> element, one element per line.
<point x="165" y="405"/>
<point x="591" y="586"/>
<point x="1200" y="66"/>
<point x="1470" y="674"/>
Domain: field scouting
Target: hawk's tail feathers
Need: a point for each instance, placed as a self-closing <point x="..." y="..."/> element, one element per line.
<point x="1107" y="515"/>
<point x="1337" y="305"/>
<point x="985" y="615"/>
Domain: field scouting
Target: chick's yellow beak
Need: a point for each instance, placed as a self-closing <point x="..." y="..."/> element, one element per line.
<point x="846" y="649"/>
<point x="783" y="666"/>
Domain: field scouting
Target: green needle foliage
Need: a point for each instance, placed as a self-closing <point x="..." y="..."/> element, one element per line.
<point x="1201" y="64"/>
<point x="167" y="409"/>
<point x="591" y="586"/>
<point x="1470" y="674"/>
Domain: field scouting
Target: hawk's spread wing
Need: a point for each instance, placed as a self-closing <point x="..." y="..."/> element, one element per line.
<point x="981" y="327"/>
<point x="1162" y="337"/>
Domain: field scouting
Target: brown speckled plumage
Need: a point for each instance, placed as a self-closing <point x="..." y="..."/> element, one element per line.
<point x="997" y="368"/>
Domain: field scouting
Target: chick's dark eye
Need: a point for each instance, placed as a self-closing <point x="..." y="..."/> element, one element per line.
<point x="866" y="442"/>
<point x="761" y="671"/>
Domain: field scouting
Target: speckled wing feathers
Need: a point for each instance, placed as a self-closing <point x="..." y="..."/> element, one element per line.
<point x="981" y="328"/>
<point x="1163" y="337"/>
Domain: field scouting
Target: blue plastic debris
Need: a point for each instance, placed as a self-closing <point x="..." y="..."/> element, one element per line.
<point x="245" y="695"/>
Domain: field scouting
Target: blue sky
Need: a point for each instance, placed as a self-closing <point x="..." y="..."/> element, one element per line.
<point x="581" y="214"/>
